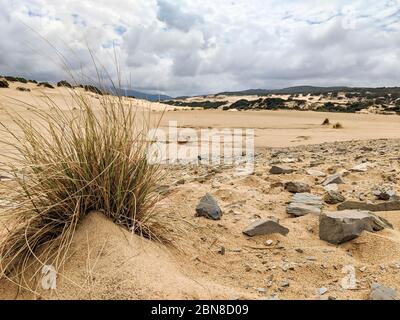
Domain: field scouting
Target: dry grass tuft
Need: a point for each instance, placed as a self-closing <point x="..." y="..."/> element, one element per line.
<point x="326" y="122"/>
<point x="67" y="164"/>
<point x="337" y="125"/>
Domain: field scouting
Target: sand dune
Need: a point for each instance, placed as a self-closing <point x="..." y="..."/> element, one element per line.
<point x="213" y="259"/>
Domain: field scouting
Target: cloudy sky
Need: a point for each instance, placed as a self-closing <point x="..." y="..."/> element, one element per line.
<point x="185" y="47"/>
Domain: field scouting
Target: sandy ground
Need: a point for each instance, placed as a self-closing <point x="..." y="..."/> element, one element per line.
<point x="292" y="128"/>
<point x="107" y="262"/>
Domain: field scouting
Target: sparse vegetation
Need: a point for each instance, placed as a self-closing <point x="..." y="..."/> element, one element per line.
<point x="337" y="125"/>
<point x="326" y="122"/>
<point x="64" y="84"/>
<point x="46" y="85"/>
<point x="16" y="79"/>
<point x="23" y="89"/>
<point x="93" y="89"/>
<point x="68" y="164"/>
<point x="195" y="104"/>
<point x="4" y="84"/>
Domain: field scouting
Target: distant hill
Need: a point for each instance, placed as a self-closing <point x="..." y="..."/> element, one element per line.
<point x="145" y="96"/>
<point x="311" y="90"/>
<point x="290" y="90"/>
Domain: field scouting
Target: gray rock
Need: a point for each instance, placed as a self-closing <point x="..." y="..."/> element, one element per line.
<point x="281" y="170"/>
<point x="297" y="187"/>
<point x="331" y="187"/>
<point x="322" y="291"/>
<point x="384" y="193"/>
<point x="316" y="173"/>
<point x="307" y="198"/>
<point x="304" y="203"/>
<point x="301" y="209"/>
<point x="341" y="226"/>
<point x="363" y="167"/>
<point x="336" y="179"/>
<point x="360" y="205"/>
<point x="334" y="197"/>
<point x="265" y="227"/>
<point x="380" y="292"/>
<point x="209" y="208"/>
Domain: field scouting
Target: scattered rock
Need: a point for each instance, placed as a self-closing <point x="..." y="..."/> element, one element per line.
<point x="311" y="258"/>
<point x="281" y="170"/>
<point x="384" y="193"/>
<point x="341" y="226"/>
<point x="316" y="173"/>
<point x="301" y="209"/>
<point x="336" y="178"/>
<point x="380" y="292"/>
<point x="209" y="208"/>
<point x="269" y="243"/>
<point x="322" y="291"/>
<point x="363" y="167"/>
<point x="297" y="187"/>
<point x="289" y="160"/>
<point x="285" y="284"/>
<point x="360" y="205"/>
<point x="331" y="187"/>
<point x="265" y="227"/>
<point x="277" y="184"/>
<point x="334" y="197"/>
<point x="304" y="203"/>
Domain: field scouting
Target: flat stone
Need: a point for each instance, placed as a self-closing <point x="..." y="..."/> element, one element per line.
<point x="331" y="187"/>
<point x="360" y="205"/>
<point x="342" y="226"/>
<point x="334" y="197"/>
<point x="269" y="243"/>
<point x="297" y="187"/>
<point x="336" y="178"/>
<point x="363" y="167"/>
<point x="316" y="173"/>
<point x="380" y="292"/>
<point x="322" y="291"/>
<point x="384" y="193"/>
<point x="302" y="209"/>
<point x="209" y="208"/>
<point x="265" y="227"/>
<point x="281" y="170"/>
<point x="304" y="203"/>
<point x="307" y="198"/>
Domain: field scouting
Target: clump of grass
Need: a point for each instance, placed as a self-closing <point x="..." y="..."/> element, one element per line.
<point x="326" y="122"/>
<point x="4" y="83"/>
<point x="68" y="164"/>
<point x="337" y="125"/>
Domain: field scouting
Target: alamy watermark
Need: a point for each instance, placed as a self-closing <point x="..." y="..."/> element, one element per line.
<point x="187" y="146"/>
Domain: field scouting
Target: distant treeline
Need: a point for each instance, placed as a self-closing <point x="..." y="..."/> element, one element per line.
<point x="305" y="90"/>
<point x="62" y="83"/>
<point x="195" y="104"/>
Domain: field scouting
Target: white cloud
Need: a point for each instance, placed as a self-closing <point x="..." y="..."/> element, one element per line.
<point x="202" y="46"/>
